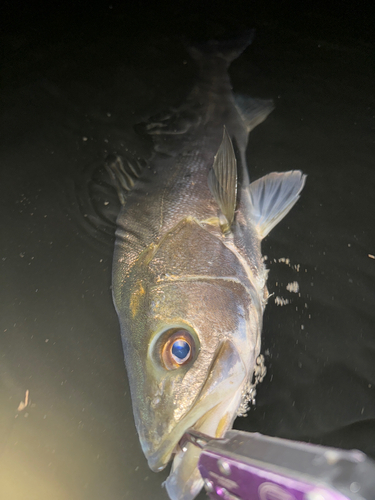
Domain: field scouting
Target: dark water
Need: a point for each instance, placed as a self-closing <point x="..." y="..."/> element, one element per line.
<point x="75" y="81"/>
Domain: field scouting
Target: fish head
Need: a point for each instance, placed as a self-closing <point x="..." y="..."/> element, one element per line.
<point x="191" y="325"/>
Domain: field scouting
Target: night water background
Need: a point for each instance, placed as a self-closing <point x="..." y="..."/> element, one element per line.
<point x="75" y="80"/>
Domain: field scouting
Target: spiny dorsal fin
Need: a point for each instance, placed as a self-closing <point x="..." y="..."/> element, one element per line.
<point x="222" y="181"/>
<point x="272" y="197"/>
<point x="252" y="110"/>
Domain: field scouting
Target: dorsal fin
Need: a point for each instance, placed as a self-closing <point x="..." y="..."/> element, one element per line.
<point x="272" y="197"/>
<point x="222" y="181"/>
<point x="253" y="111"/>
<point x="123" y="173"/>
<point x="99" y="192"/>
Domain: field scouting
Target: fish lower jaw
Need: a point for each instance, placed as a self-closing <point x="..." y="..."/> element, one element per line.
<point x="182" y="446"/>
<point x="213" y="428"/>
<point x="212" y="421"/>
<point x="160" y="459"/>
<point x="185" y="481"/>
<point x="157" y="463"/>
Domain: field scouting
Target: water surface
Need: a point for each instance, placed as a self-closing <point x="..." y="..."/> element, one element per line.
<point x="73" y="93"/>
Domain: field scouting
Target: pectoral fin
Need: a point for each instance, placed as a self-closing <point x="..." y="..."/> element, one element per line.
<point x="222" y="181"/>
<point x="273" y="196"/>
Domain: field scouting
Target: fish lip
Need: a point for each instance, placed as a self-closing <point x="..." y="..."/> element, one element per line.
<point x="160" y="458"/>
<point x="158" y="461"/>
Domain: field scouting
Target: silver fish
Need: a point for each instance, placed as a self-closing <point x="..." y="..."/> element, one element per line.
<point x="189" y="281"/>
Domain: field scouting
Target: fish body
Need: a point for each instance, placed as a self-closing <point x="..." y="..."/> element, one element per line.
<point x="189" y="281"/>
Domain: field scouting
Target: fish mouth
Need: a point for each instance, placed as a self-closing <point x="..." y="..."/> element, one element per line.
<point x="175" y="445"/>
<point x="185" y="481"/>
<point x="160" y="459"/>
<point x="212" y="414"/>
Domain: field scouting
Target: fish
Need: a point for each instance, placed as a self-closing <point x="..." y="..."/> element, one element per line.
<point x="188" y="277"/>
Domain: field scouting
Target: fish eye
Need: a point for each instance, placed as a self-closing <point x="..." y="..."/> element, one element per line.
<point x="178" y="349"/>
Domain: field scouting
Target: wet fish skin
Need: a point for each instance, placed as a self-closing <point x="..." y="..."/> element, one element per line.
<point x="181" y="262"/>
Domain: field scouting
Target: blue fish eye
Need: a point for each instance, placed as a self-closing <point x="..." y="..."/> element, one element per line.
<point x="180" y="351"/>
<point x="177" y="349"/>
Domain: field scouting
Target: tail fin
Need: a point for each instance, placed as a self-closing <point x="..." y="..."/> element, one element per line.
<point x="228" y="50"/>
